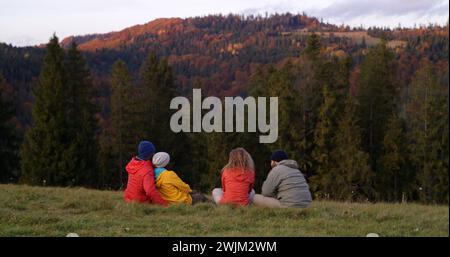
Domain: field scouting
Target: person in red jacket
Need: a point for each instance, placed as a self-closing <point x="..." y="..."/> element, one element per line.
<point x="238" y="178"/>
<point x="141" y="178"/>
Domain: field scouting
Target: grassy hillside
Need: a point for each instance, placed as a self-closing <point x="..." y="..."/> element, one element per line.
<point x="38" y="211"/>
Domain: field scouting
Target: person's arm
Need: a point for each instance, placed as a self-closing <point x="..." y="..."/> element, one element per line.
<point x="150" y="190"/>
<point x="177" y="182"/>
<point x="223" y="181"/>
<point x="252" y="184"/>
<point x="270" y="185"/>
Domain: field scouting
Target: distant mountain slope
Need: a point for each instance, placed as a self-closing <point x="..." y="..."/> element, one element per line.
<point x="220" y="52"/>
<point x="167" y="27"/>
<point x="126" y="36"/>
<point x="216" y="51"/>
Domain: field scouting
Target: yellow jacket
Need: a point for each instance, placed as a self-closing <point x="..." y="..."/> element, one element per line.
<point x="172" y="188"/>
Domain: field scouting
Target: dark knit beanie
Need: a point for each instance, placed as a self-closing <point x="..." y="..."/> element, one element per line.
<point x="279" y="155"/>
<point x="146" y="149"/>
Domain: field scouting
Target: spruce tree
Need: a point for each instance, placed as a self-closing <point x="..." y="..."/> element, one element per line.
<point x="258" y="87"/>
<point x="313" y="47"/>
<point x="294" y="132"/>
<point x="428" y="121"/>
<point x="81" y="120"/>
<point x="156" y="90"/>
<point x="323" y="140"/>
<point x="397" y="174"/>
<point x="376" y="96"/>
<point x="44" y="153"/>
<point x="118" y="141"/>
<point x="351" y="177"/>
<point x="313" y="75"/>
<point x="110" y="175"/>
<point x="8" y="137"/>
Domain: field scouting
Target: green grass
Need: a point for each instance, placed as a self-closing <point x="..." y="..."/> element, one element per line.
<point x="47" y="211"/>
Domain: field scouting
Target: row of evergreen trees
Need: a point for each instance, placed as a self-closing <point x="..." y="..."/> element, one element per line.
<point x="380" y="141"/>
<point x="139" y="110"/>
<point x="60" y="148"/>
<point x="65" y="146"/>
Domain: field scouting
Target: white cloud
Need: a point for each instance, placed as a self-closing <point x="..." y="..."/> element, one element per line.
<point x="347" y="10"/>
<point x="366" y="12"/>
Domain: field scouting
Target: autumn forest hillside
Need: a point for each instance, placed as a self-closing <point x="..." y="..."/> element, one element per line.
<point x="220" y="53"/>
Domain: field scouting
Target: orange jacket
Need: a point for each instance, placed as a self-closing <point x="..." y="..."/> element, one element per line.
<point x="141" y="183"/>
<point x="236" y="185"/>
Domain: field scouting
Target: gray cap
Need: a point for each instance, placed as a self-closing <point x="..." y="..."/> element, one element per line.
<point x="161" y="159"/>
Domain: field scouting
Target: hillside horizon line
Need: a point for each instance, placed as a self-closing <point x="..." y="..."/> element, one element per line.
<point x="164" y="21"/>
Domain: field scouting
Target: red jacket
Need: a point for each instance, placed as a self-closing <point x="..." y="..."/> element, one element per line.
<point x="236" y="186"/>
<point x="141" y="183"/>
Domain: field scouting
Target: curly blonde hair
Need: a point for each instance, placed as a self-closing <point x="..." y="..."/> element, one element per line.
<point x="240" y="158"/>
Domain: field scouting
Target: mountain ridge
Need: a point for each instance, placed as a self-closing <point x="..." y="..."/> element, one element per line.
<point x="284" y="24"/>
<point x="115" y="38"/>
<point x="166" y="26"/>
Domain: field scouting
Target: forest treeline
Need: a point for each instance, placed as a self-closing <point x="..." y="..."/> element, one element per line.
<point x="371" y="124"/>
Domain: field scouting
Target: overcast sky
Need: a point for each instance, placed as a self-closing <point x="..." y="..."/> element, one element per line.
<point x="31" y="22"/>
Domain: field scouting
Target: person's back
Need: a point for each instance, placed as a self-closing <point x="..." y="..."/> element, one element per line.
<point x="141" y="182"/>
<point x="286" y="183"/>
<point x="168" y="183"/>
<point x="137" y="170"/>
<point x="237" y="183"/>
<point x="238" y="177"/>
<point x="172" y="188"/>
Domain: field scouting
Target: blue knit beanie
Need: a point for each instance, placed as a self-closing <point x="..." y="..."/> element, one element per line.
<point x="146" y="150"/>
<point x="278" y="156"/>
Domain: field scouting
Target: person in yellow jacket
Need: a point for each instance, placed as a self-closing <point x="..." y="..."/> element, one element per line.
<point x="170" y="186"/>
